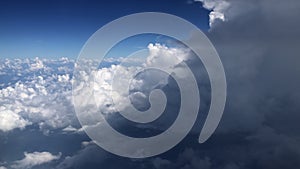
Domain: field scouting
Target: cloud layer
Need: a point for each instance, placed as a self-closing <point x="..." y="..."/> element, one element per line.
<point x="39" y="93"/>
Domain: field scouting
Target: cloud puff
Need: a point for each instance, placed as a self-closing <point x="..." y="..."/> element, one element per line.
<point x="10" y="120"/>
<point x="38" y="64"/>
<point x="34" y="159"/>
<point x="163" y="56"/>
<point x="218" y="9"/>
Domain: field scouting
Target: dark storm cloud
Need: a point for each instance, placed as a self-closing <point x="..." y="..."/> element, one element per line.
<point x="260" y="55"/>
<point x="258" y="45"/>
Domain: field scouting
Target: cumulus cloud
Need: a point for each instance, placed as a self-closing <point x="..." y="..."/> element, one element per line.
<point x="10" y="120"/>
<point x="36" y="92"/>
<point x="218" y="9"/>
<point x="38" y="64"/>
<point x="163" y="56"/>
<point x="34" y="159"/>
<point x="104" y="79"/>
<point x="109" y="83"/>
<point x="40" y="93"/>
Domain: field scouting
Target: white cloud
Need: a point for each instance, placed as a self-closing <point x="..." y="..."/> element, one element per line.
<point x="64" y="78"/>
<point x="2" y="167"/>
<point x="38" y="64"/>
<point x="70" y="129"/>
<point x="111" y="81"/>
<point x="10" y="120"/>
<point x="218" y="9"/>
<point x="42" y="98"/>
<point x="87" y="143"/>
<point x="42" y="95"/>
<point x="115" y="89"/>
<point x="34" y="159"/>
<point x="163" y="56"/>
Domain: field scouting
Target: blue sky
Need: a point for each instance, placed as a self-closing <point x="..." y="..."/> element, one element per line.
<point x="55" y="29"/>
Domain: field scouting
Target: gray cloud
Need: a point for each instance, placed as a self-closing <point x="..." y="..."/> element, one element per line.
<point x="257" y="44"/>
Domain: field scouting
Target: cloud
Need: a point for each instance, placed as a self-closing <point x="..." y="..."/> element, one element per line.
<point x="256" y="48"/>
<point x="218" y="9"/>
<point x="34" y="159"/>
<point x="258" y="45"/>
<point x="88" y="157"/>
<point x="38" y="92"/>
<point x="190" y="159"/>
<point x="39" y="96"/>
<point x="187" y="159"/>
<point x="163" y="56"/>
<point x="103" y="78"/>
<point x="259" y="129"/>
<point x="116" y="88"/>
<point x="70" y="129"/>
<point x="38" y="64"/>
<point x="10" y="120"/>
<point x="2" y="167"/>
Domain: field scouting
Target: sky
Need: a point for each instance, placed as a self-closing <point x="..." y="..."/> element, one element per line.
<point x="53" y="29"/>
<point x="257" y="42"/>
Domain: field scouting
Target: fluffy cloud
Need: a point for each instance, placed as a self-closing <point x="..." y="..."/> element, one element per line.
<point x="163" y="56"/>
<point x="104" y="79"/>
<point x="34" y="159"/>
<point x="38" y="64"/>
<point x="10" y="120"/>
<point x="218" y="9"/>
<point x="114" y="85"/>
<point x="36" y="92"/>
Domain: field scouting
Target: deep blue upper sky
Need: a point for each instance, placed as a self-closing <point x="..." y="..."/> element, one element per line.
<point x="60" y="28"/>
